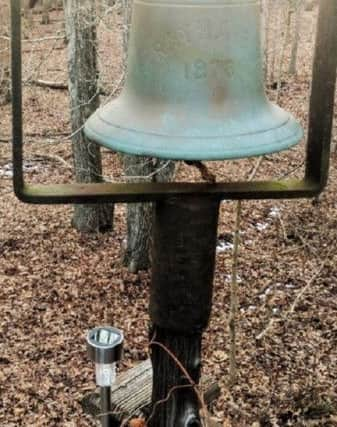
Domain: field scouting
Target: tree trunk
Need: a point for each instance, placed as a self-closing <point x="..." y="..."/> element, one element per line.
<point x="43" y="4"/>
<point x="80" y="17"/>
<point x="298" y="5"/>
<point x="139" y="215"/>
<point x="310" y="4"/>
<point x="45" y="11"/>
<point x="5" y="93"/>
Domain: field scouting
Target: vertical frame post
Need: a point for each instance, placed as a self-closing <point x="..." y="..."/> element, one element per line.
<point x="322" y="94"/>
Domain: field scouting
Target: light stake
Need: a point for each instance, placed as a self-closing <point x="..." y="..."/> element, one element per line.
<point x="105" y="346"/>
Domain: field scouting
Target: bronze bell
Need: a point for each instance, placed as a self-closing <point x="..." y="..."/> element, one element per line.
<point x="194" y="88"/>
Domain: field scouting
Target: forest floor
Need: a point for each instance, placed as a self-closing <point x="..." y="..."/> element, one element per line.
<point x="56" y="283"/>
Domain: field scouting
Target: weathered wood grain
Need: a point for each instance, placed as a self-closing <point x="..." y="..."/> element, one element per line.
<point x="131" y="396"/>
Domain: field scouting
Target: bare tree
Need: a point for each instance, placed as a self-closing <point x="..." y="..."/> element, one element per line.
<point x="310" y="4"/>
<point x="80" y="17"/>
<point x="5" y="94"/>
<point x="298" y="9"/>
<point x="282" y="27"/>
<point x="140" y="215"/>
<point x="45" y="6"/>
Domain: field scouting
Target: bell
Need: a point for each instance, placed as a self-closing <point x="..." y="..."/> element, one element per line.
<point x="194" y="88"/>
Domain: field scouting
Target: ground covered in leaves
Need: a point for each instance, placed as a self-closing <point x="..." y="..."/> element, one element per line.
<point x="56" y="283"/>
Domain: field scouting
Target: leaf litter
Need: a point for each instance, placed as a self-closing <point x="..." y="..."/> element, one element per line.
<point x="56" y="284"/>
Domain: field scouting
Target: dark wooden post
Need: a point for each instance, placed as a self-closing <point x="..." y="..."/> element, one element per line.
<point x="184" y="245"/>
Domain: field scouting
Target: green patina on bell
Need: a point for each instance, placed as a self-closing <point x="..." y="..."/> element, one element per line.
<point x="194" y="88"/>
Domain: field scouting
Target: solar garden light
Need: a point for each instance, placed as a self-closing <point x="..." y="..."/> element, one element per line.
<point x="105" y="346"/>
<point x="194" y="91"/>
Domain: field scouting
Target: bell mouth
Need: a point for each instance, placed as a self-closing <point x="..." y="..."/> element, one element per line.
<point x="195" y="143"/>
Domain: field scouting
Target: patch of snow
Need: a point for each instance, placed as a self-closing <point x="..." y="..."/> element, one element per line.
<point x="249" y="308"/>
<point x="7" y="169"/>
<point x="224" y="246"/>
<point x="266" y="292"/>
<point x="228" y="278"/>
<point x="290" y="285"/>
<point x="269" y="290"/>
<point x="274" y="212"/>
<point x="260" y="226"/>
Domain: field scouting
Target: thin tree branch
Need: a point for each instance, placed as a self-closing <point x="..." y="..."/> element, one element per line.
<point x="234" y="298"/>
<point x="49" y="84"/>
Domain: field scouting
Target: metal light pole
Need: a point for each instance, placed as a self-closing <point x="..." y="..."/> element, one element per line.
<point x="175" y="106"/>
<point x="105" y="346"/>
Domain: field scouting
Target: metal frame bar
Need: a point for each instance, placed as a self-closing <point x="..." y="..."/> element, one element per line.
<point x="317" y="156"/>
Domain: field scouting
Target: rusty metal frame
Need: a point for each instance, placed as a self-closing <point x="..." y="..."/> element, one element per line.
<point x="318" y="143"/>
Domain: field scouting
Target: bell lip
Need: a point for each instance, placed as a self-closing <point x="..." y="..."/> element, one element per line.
<point x="169" y="147"/>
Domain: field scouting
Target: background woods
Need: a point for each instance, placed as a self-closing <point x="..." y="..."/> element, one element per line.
<point x="81" y="30"/>
<point x="55" y="279"/>
<point x="45" y="7"/>
<point x="4" y="56"/>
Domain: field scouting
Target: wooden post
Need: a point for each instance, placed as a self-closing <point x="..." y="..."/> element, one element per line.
<point x="184" y="245"/>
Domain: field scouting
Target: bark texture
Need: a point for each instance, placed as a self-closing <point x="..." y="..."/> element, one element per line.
<point x="139" y="215"/>
<point x="5" y="93"/>
<point x="131" y="395"/>
<point x="298" y="8"/>
<point x="84" y="94"/>
<point x="184" y="242"/>
<point x="181" y="403"/>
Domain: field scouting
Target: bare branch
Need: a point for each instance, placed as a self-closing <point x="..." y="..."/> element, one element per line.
<point x="49" y="84"/>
